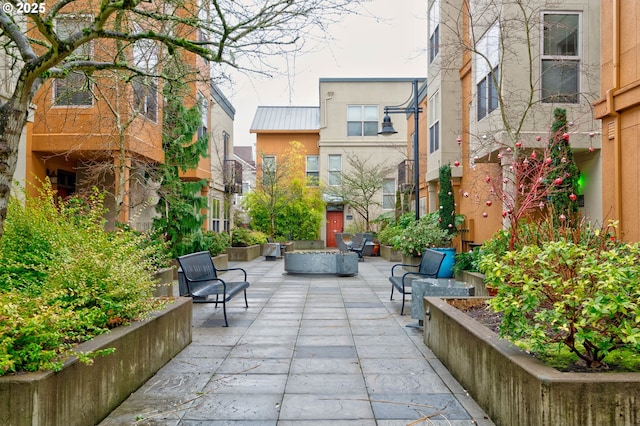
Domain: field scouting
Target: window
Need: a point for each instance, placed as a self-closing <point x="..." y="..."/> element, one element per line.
<point x="560" y="57"/>
<point x="434" y="120"/>
<point x="215" y="215"/>
<point x="434" y="30"/>
<point x="145" y="88"/>
<point x="313" y="170"/>
<point x="335" y="170"/>
<point x="362" y="120"/>
<point x="75" y="88"/>
<point x="487" y="58"/>
<point x="389" y="194"/>
<point x="204" y="115"/>
<point x="268" y="169"/>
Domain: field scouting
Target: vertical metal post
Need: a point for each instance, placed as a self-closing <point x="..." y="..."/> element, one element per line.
<point x="416" y="150"/>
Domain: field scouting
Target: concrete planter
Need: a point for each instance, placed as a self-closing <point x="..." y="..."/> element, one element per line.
<point x="390" y="254"/>
<point x="244" y="254"/>
<point x="342" y="264"/>
<point x="83" y="394"/>
<point x="165" y="283"/>
<point x="515" y="388"/>
<point x="476" y="279"/>
<point x="308" y="245"/>
<point x="411" y="260"/>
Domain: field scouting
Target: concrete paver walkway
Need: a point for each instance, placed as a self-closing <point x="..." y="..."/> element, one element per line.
<point x="309" y="350"/>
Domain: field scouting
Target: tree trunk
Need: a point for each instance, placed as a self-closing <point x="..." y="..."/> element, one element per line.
<point x="13" y="117"/>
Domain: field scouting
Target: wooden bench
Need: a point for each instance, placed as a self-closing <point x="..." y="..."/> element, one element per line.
<point x="428" y="268"/>
<point x="201" y="278"/>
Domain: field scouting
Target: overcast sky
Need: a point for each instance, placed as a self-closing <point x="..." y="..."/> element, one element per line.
<point x="393" y="46"/>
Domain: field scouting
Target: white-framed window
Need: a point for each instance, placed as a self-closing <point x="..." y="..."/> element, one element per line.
<point x="335" y="169"/>
<point x="215" y="214"/>
<point x="362" y="120"/>
<point x="313" y="170"/>
<point x="145" y="88"/>
<point x="561" y="57"/>
<point x="204" y="117"/>
<point x="487" y="58"/>
<point x="434" y="30"/>
<point x="268" y="169"/>
<point x="75" y="88"/>
<point x="389" y="194"/>
<point x="434" y="122"/>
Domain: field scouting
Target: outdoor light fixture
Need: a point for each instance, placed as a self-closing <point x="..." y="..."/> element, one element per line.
<point x="387" y="129"/>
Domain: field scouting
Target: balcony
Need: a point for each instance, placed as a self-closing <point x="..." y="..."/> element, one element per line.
<point x="232" y="177"/>
<point x="405" y="176"/>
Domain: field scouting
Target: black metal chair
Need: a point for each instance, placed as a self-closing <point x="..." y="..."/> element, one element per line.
<point x="358" y="243"/>
<point x="428" y="268"/>
<point x="202" y="281"/>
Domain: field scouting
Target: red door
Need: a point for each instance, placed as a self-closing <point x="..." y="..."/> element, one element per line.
<point x="335" y="223"/>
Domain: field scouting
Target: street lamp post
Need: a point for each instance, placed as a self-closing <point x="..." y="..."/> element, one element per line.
<point x="387" y="129"/>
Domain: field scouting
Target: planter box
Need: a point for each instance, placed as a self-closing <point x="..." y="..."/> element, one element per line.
<point x="165" y="283"/>
<point x="411" y="260"/>
<point x="308" y="245"/>
<point x="390" y="254"/>
<point x="83" y="394"/>
<point x="476" y="279"/>
<point x="515" y="388"/>
<point x="342" y="264"/>
<point x="244" y="254"/>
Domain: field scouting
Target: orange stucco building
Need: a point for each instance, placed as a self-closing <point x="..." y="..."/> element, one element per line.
<point x="619" y="110"/>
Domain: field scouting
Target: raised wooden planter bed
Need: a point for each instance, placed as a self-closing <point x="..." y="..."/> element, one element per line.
<point x="83" y="394"/>
<point x="514" y="388"/>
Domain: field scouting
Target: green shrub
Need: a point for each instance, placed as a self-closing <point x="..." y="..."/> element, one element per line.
<point x="584" y="295"/>
<point x="391" y="232"/>
<point x="214" y="242"/>
<point x="245" y="237"/>
<point x="467" y="261"/>
<point x="64" y="280"/>
<point x="423" y="233"/>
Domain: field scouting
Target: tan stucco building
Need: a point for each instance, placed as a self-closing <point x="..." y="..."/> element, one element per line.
<point x="492" y="89"/>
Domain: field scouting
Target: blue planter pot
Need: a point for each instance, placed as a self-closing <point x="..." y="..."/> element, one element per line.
<point x="446" y="268"/>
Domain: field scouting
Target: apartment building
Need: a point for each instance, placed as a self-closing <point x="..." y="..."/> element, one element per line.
<point x="341" y="132"/>
<point x="619" y="110"/>
<point x="105" y="130"/>
<point x="496" y="72"/>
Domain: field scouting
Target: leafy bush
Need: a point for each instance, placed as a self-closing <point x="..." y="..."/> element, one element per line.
<point x="214" y="242"/>
<point x="64" y="280"/>
<point x="579" y="290"/>
<point x="423" y="233"/>
<point x="245" y="237"/>
<point x="467" y="261"/>
<point x="391" y="232"/>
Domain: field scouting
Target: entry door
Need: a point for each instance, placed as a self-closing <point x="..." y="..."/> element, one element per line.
<point x="335" y="224"/>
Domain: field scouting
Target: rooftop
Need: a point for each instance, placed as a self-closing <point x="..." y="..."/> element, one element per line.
<point x="286" y="118"/>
